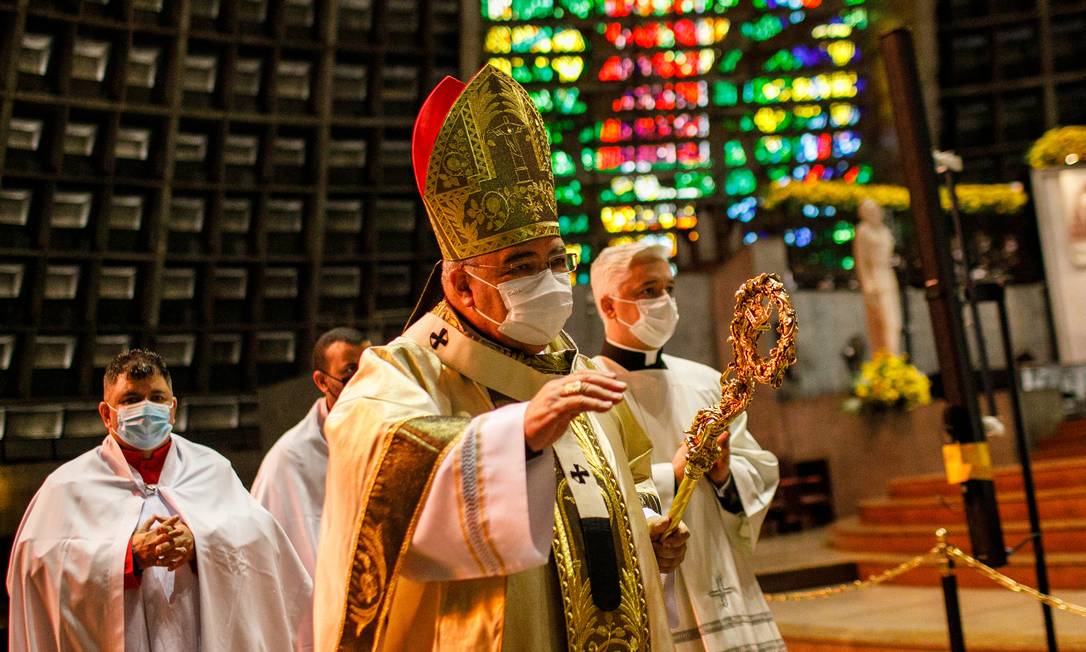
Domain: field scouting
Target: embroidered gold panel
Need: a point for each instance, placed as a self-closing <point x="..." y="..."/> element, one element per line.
<point x="588" y="627"/>
<point x="392" y="507"/>
<point x="489" y="183"/>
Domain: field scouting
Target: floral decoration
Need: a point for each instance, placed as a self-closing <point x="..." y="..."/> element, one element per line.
<point x="888" y="382"/>
<point x="998" y="198"/>
<point x="1058" y="147"/>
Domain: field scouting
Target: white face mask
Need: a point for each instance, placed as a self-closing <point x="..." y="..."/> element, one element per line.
<point x="657" y="321"/>
<point x="537" y="306"/>
<point x="144" y="425"/>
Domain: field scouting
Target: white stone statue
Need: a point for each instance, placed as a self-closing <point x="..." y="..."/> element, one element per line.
<point x="873" y="251"/>
<point x="1076" y="234"/>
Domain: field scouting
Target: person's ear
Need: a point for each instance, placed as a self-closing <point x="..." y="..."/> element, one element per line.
<point x="103" y="412"/>
<point x="173" y="411"/>
<point x="607" y="307"/>
<point x="318" y="380"/>
<point x="458" y="279"/>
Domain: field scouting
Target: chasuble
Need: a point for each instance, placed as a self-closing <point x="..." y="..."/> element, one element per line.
<point x="439" y="534"/>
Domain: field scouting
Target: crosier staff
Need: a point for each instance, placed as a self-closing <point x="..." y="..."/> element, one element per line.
<point x="754" y="306"/>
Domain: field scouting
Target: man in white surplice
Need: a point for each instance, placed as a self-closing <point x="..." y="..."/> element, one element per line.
<point x="290" y="482"/>
<point x="716" y="603"/>
<point x="150" y="542"/>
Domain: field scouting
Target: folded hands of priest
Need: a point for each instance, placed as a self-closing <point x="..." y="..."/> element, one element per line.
<point x="170" y="544"/>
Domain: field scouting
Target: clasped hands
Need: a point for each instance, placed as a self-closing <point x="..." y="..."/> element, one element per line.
<point x="169" y="544"/>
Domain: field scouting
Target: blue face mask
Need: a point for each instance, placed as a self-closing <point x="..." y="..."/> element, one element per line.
<point x="144" y="425"/>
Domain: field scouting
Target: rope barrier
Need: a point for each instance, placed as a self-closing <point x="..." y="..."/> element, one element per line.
<point x="1012" y="585"/>
<point x="856" y="585"/>
<point x="941" y="550"/>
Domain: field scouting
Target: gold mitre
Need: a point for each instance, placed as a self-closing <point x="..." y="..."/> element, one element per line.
<point x="483" y="165"/>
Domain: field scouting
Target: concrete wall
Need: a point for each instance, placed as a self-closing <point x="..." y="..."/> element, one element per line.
<point x="828" y="320"/>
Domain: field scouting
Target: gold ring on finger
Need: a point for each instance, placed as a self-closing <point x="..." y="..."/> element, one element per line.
<point x="573" y="387"/>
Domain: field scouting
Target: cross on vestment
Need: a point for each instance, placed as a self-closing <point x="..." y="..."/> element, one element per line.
<point x="720" y="592"/>
<point x="579" y="474"/>
<point x="439" y="339"/>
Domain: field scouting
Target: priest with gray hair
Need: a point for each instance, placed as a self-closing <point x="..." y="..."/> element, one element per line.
<point x="714" y="600"/>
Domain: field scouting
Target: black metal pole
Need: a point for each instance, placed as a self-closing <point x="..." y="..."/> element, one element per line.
<point x="995" y="292"/>
<point x="962" y="415"/>
<point x="906" y="321"/>
<point x="974" y="309"/>
<point x="953" y="610"/>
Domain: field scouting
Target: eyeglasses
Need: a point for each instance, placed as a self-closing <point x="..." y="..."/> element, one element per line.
<point x="563" y="264"/>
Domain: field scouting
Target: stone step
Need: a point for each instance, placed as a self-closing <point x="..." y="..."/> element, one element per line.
<point x="1067" y="535"/>
<point x="1069" y="441"/>
<point x="947" y="511"/>
<point x="1048" y="474"/>
<point x="1061" y="450"/>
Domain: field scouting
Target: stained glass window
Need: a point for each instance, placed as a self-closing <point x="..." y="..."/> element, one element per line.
<point x="667" y="117"/>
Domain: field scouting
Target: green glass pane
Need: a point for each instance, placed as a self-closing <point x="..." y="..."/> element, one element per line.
<point x="762" y="29"/>
<point x="734" y="154"/>
<point x="569" y="193"/>
<point x="562" y="164"/>
<point x="740" y="182"/>
<point x="725" y="94"/>
<point x="542" y="100"/>
<point x="588" y="159"/>
<point x="579" y="8"/>
<point x="843" y="232"/>
<point x="782" y="61"/>
<point x="730" y="60"/>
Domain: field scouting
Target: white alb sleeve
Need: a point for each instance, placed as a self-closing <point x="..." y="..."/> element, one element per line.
<point x="490" y="511"/>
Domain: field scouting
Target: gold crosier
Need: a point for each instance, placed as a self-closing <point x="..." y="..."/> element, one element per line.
<point x="754" y="306"/>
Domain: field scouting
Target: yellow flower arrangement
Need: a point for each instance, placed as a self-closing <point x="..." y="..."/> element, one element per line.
<point x="889" y="381"/>
<point x="1000" y="198"/>
<point x="1058" y="147"/>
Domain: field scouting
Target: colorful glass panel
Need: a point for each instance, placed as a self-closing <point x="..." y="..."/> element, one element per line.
<point x="661" y="112"/>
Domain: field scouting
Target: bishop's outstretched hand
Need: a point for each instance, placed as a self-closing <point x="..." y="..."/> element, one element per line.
<point x="559" y="401"/>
